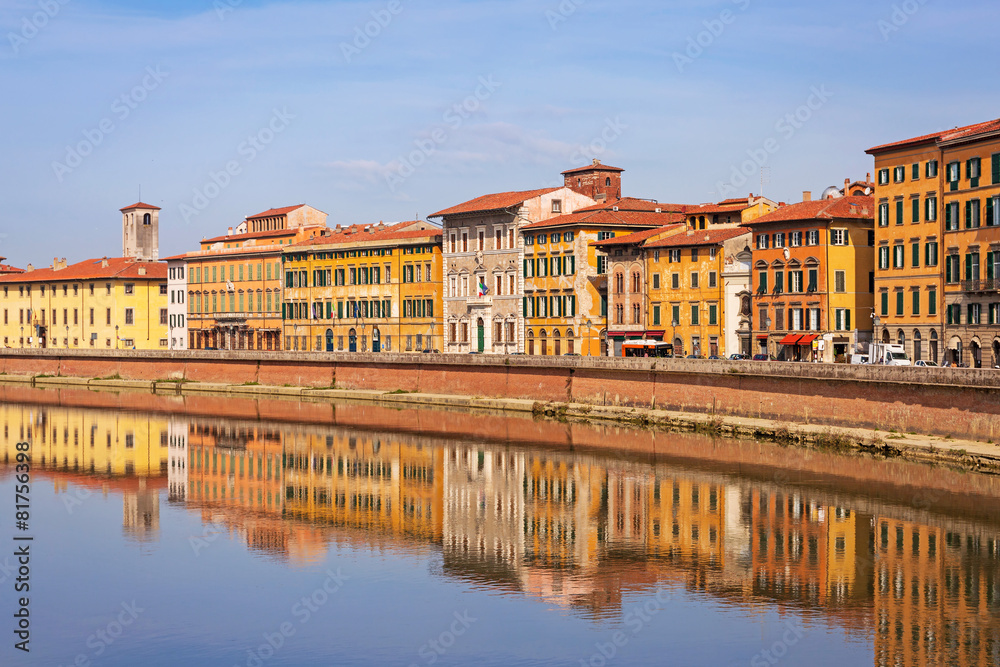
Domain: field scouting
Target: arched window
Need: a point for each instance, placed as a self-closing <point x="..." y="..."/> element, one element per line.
<point x="607" y="182"/>
<point x="901" y="337"/>
<point x="635" y="282"/>
<point x="146" y="219"/>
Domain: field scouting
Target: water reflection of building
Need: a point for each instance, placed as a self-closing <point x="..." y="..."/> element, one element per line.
<point x="177" y="456"/>
<point x="95" y="449"/>
<point x="937" y="595"/>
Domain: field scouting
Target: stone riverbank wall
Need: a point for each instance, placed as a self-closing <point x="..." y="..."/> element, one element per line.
<point x="958" y="402"/>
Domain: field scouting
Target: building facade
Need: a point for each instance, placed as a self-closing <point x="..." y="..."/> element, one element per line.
<point x="235" y="281"/>
<point x="177" y="289"/>
<point x="939" y="244"/>
<point x="813" y="272"/>
<point x="141" y="232"/>
<point x="365" y="287"/>
<point x="565" y="276"/>
<point x="483" y="265"/>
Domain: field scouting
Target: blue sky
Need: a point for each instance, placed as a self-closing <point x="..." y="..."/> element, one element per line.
<point x="441" y="102"/>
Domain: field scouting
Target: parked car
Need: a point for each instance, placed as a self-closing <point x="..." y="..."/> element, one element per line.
<point x="923" y="363"/>
<point x="714" y="356"/>
<point x="694" y="356"/>
<point x="572" y="354"/>
<point x="761" y="357"/>
<point x="738" y="357"/>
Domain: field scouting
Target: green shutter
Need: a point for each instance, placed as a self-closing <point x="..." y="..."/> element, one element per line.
<point x="899" y="212"/>
<point x="968" y="215"/>
<point x="989" y="266"/>
<point x="989" y="212"/>
<point x="916" y="254"/>
<point x="947" y="269"/>
<point x="927" y="254"/>
<point x="885" y="303"/>
<point x="572" y="264"/>
<point x="915" y="204"/>
<point x="932" y="302"/>
<point x="899" y="305"/>
<point x="995" y="159"/>
<point x="572" y="305"/>
<point x="947" y="216"/>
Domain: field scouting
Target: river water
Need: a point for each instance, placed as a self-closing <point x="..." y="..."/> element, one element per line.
<point x="225" y="531"/>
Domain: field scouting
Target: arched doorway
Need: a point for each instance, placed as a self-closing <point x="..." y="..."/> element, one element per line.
<point x="480" y="335"/>
<point x="557" y="343"/>
<point x="976" y="353"/>
<point x="329" y="340"/>
<point x="604" y="342"/>
<point x="545" y="342"/>
<point x="917" y="352"/>
<point x="901" y="338"/>
<point x="531" y="341"/>
<point x="678" y="347"/>
<point x="570" y="342"/>
<point x="376" y="340"/>
<point x="933" y="343"/>
<point x="885" y="336"/>
<point x="352" y="340"/>
<point x="996" y="353"/>
<point x="954" y="355"/>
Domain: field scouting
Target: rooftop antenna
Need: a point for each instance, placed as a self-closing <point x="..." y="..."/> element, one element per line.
<point x="765" y="178"/>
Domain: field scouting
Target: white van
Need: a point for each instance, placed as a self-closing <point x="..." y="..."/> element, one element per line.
<point x="888" y="354"/>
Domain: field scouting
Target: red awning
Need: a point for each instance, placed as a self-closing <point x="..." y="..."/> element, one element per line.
<point x="761" y="336"/>
<point x="655" y="334"/>
<point x="808" y="338"/>
<point x="790" y="339"/>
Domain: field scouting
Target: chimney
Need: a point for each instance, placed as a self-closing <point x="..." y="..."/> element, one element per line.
<point x="847" y="185"/>
<point x="30" y="267"/>
<point x="807" y="195"/>
<point x="868" y="177"/>
<point x="142" y="270"/>
<point x="230" y="232"/>
<point x="104" y="263"/>
<point x="57" y="264"/>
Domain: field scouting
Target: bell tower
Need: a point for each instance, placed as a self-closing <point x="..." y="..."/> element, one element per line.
<point x="141" y="232"/>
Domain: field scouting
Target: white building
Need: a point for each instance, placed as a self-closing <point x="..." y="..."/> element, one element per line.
<point x="177" y="332"/>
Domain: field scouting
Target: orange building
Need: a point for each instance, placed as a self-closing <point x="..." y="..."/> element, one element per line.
<point x="234" y="283"/>
<point x="813" y="272"/>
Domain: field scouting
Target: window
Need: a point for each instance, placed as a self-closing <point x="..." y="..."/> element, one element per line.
<point x="951" y="271"/>
<point x="129" y="316"/>
<point x="779" y="282"/>
<point x="656" y="281"/>
<point x="713" y="314"/>
<point x="883" y="257"/>
<point x="694" y="254"/>
<point x="932" y="168"/>
<point x="915" y="209"/>
<point x="930" y="209"/>
<point x="899" y="211"/>
<point x="557" y="206"/>
<point x="899" y="302"/>
<point x="974" y="312"/>
<point x="129" y="288"/>
<point x="656" y="314"/>
<point x="694" y="279"/>
<point x="898" y="256"/>
<point x="840" y="281"/>
<point x="932" y="301"/>
<point x="675" y="280"/>
<point x="694" y="314"/>
<point x="972" y="266"/>
<point x="972" y="170"/>
<point x="993" y="212"/>
<point x="883" y="176"/>
<point x="915" y="172"/>
<point x="843" y="316"/>
<point x="812" y="237"/>
<point x="779" y="240"/>
<point x="794" y="281"/>
<point x="951" y="216"/>
<point x="675" y="315"/>
<point x="972" y="214"/>
<point x="762" y="282"/>
<point x="884" y="298"/>
<point x="953" y="175"/>
<point x="813" y="280"/>
<point x="762" y="241"/>
<point x="713" y="279"/>
<point x="838" y="237"/>
<point x="898" y="174"/>
<point x="796" y="239"/>
<point x="915" y="255"/>
<point x="931" y="253"/>
<point x="916" y="301"/>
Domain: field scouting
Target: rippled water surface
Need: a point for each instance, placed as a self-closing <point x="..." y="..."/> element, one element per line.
<point x="212" y="531"/>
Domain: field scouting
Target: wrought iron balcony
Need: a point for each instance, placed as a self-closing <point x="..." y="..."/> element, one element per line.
<point x="991" y="285"/>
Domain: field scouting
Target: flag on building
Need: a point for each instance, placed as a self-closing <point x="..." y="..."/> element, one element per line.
<point x="483" y="289"/>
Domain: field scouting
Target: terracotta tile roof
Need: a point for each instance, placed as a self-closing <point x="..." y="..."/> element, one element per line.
<point x="698" y="238"/>
<point x="356" y="234"/>
<point x="252" y="235"/>
<point x="745" y="201"/>
<point x="7" y="268"/>
<point x="493" y="202"/>
<point x="140" y="205"/>
<point x="633" y="204"/>
<point x="636" y="237"/>
<point x="597" y="166"/>
<point x="943" y="136"/>
<point x="609" y="218"/>
<point x="272" y="212"/>
<point x="272" y="248"/>
<point x="91" y="269"/>
<point x="857" y="208"/>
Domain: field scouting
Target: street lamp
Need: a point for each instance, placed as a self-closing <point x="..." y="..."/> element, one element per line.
<point x="116" y="337"/>
<point x="673" y="334"/>
<point x="66" y="339"/>
<point x="22" y="338"/>
<point x="589" y="324"/>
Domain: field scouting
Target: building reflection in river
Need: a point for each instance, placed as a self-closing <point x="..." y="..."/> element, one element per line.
<point x="580" y="531"/>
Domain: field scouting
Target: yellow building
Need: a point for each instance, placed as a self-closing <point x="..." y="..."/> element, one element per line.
<point x="729" y="212"/>
<point x="381" y="282"/>
<point x="234" y="294"/>
<point x="95" y="304"/>
<point x="565" y="277"/>
<point x="937" y="234"/>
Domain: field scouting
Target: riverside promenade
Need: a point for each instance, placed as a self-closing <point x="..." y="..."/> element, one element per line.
<point x="771" y="399"/>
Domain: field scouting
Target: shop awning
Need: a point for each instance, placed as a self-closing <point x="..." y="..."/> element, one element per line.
<point x="790" y="339"/>
<point x="808" y="338"/>
<point x="761" y="336"/>
<point x="655" y="334"/>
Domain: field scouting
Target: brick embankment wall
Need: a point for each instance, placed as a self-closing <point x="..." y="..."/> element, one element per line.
<point x="936" y="401"/>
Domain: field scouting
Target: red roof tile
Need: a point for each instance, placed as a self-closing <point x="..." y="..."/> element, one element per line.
<point x="944" y="135"/>
<point x="493" y="202"/>
<point x="609" y="218"/>
<point x="858" y="208"/>
<point x="7" y="268"/>
<point x="357" y="234"/>
<point x="698" y="238"/>
<point x="140" y="205"/>
<point x="253" y="235"/>
<point x="118" y="267"/>
<point x="592" y="167"/>
<point x="272" y="212"/>
<point x="635" y="237"/>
